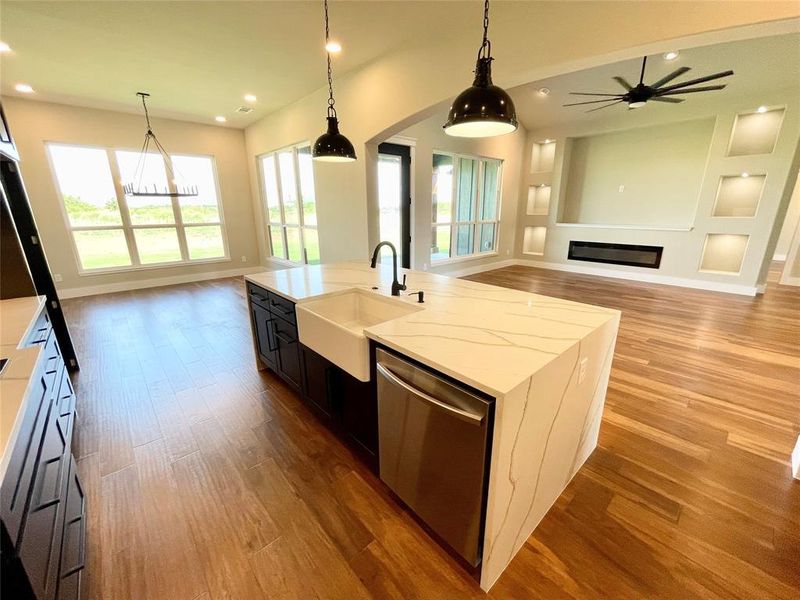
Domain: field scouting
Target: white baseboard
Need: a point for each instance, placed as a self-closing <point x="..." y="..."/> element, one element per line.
<point x="498" y="264"/>
<point x="779" y="257"/>
<point x="124" y="286"/>
<point x="796" y="460"/>
<point x="698" y="284"/>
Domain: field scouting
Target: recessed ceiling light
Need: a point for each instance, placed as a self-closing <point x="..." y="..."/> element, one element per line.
<point x="250" y="98"/>
<point x="333" y="46"/>
<point x="220" y="119"/>
<point x="24" y="88"/>
<point x="4" y="47"/>
<point x="671" y="55"/>
<point x="745" y="174"/>
<point x="761" y="109"/>
<point x="543" y="91"/>
<point x="548" y="141"/>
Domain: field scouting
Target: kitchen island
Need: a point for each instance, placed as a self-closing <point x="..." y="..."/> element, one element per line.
<point x="545" y="362"/>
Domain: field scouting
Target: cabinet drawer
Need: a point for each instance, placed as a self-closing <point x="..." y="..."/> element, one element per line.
<point x="284" y="330"/>
<point x="282" y="307"/>
<point x="258" y="296"/>
<point x="70" y="587"/>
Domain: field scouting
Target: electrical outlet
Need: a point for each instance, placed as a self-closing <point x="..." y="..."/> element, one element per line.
<point x="424" y="266"/>
<point x="57" y="277"/>
<point x="621" y="189"/>
<point x="582" y="370"/>
<point x="244" y="259"/>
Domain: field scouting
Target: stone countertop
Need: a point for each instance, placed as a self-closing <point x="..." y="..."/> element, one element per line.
<point x="17" y="318"/>
<point x="489" y="337"/>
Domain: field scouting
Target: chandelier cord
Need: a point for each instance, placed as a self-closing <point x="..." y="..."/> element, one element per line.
<point x="331" y="101"/>
<point x="138" y="174"/>
<point x="485" y="50"/>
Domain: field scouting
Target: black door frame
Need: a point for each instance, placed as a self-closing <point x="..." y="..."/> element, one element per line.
<point x="404" y="152"/>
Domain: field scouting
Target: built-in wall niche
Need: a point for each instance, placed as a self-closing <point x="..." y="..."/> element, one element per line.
<point x="543" y="156"/>
<point x="539" y="199"/>
<point x="738" y="195"/>
<point x="756" y="132"/>
<point x="533" y="240"/>
<point x="724" y="253"/>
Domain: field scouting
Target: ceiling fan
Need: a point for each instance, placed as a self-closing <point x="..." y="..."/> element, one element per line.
<point x="639" y="95"/>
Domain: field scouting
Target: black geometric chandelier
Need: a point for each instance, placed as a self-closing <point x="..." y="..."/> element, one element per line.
<point x="483" y="109"/>
<point x="137" y="187"/>
<point x="332" y="146"/>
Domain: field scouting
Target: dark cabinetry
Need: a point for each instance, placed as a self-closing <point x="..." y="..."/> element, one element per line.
<point x="41" y="501"/>
<point x="347" y="405"/>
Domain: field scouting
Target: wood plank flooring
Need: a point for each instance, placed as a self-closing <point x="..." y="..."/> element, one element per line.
<point x="207" y="479"/>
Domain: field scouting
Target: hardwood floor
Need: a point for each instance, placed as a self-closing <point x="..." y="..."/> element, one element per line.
<point x="207" y="479"/>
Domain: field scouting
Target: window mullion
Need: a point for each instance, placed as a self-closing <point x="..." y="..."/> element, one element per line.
<point x="298" y="195"/>
<point x="178" y="216"/>
<point x="122" y="204"/>
<point x="476" y="244"/>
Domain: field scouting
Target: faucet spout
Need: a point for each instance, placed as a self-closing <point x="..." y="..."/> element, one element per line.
<point x="397" y="287"/>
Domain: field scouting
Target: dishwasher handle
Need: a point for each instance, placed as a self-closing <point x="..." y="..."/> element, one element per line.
<point x="456" y="412"/>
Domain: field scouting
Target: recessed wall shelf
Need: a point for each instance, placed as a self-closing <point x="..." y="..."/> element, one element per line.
<point x="724" y="253"/>
<point x="539" y="200"/>
<point x="738" y="195"/>
<point x="755" y="132"/>
<point x="633" y="227"/>
<point x="542" y="156"/>
<point x="533" y="241"/>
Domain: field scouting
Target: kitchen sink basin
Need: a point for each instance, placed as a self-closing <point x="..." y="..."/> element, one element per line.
<point x="334" y="326"/>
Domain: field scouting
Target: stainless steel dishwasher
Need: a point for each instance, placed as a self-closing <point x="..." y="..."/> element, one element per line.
<point x="433" y="438"/>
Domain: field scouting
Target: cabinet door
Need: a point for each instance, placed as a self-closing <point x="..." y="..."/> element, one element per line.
<point x="265" y="339"/>
<point x="288" y="352"/>
<point x="317" y="375"/>
<point x="357" y="408"/>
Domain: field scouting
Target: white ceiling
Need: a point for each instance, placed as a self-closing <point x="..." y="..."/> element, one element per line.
<point x="198" y="59"/>
<point x="760" y="65"/>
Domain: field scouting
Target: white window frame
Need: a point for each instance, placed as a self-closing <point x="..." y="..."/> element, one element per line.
<point x="127" y="227"/>
<point x="475" y="222"/>
<point x="301" y="222"/>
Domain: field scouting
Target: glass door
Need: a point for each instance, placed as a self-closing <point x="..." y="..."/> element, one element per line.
<point x="394" y="200"/>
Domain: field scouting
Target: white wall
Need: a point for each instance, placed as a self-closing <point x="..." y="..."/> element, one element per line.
<point x="35" y="123"/>
<point x="532" y="40"/>
<point x="427" y="136"/>
<point x="790" y="224"/>
<point x="644" y="176"/>
<point x="682" y="248"/>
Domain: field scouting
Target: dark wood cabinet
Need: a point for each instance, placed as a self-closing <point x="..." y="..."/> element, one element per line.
<point x="288" y="352"/>
<point x="264" y="337"/>
<point x="347" y="405"/>
<point x="41" y="499"/>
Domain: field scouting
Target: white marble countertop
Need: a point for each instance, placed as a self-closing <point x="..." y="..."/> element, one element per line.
<point x="17" y="318"/>
<point x="489" y="337"/>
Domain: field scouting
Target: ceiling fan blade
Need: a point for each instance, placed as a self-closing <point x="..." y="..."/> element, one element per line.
<point x="623" y="83"/>
<point x="606" y="106"/>
<point x="591" y="102"/>
<point x="670" y="77"/>
<point x="707" y="88"/>
<point x="698" y="80"/>
<point x="588" y="94"/>
<point x="672" y="100"/>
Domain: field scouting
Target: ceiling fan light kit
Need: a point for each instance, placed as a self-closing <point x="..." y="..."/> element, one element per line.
<point x="639" y="95"/>
<point x="139" y="188"/>
<point x="483" y="109"/>
<point x="332" y="146"/>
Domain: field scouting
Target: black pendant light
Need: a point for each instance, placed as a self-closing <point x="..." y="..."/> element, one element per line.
<point x="482" y="110"/>
<point x="332" y="146"/>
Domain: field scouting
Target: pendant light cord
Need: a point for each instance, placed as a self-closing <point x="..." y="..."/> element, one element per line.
<point x="331" y="101"/>
<point x="486" y="46"/>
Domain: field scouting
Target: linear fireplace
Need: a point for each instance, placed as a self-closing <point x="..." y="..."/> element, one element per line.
<point x="632" y="255"/>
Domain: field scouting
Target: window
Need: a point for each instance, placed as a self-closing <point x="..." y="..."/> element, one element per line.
<point x="287" y="177"/>
<point x="465" y="206"/>
<point x="113" y="231"/>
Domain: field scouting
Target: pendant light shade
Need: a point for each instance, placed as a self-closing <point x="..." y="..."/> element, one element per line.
<point x="483" y="109"/>
<point x="332" y="146"/>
